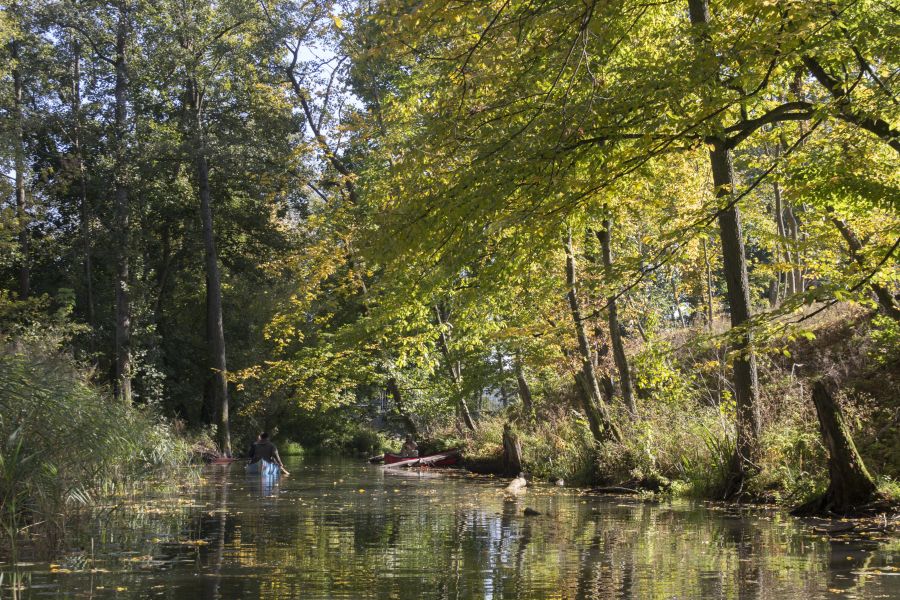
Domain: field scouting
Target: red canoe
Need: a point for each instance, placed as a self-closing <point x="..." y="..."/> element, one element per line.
<point x="439" y="459"/>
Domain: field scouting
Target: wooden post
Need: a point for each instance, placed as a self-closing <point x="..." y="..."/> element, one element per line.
<point x="512" y="451"/>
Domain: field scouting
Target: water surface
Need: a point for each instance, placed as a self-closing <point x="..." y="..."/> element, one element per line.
<point x="345" y="529"/>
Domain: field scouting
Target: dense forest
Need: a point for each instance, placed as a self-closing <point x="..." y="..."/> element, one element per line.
<point x="639" y="243"/>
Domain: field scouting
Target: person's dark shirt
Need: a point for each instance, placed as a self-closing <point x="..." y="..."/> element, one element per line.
<point x="264" y="449"/>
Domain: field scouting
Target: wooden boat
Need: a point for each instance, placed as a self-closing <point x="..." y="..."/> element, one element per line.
<point x="439" y="459"/>
<point x="263" y="467"/>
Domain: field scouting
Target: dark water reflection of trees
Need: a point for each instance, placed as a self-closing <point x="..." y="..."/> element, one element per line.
<point x="345" y="530"/>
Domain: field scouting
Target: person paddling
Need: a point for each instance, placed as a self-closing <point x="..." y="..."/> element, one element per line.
<point x="264" y="449"/>
<point x="410" y="448"/>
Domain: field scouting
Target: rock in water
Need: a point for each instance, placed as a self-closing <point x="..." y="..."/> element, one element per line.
<point x="517" y="485"/>
<point x="530" y="512"/>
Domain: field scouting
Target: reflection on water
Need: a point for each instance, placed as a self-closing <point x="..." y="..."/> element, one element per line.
<point x="340" y="529"/>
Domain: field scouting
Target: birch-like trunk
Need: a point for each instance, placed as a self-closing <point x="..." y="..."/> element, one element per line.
<point x="454" y="369"/>
<point x="19" y="165"/>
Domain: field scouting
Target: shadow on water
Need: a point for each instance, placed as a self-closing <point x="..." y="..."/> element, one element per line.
<point x="340" y="529"/>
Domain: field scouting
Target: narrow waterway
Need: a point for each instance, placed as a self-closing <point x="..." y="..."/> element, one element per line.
<point x="345" y="529"/>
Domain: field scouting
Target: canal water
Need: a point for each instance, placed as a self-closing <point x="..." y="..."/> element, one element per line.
<point x="345" y="529"/>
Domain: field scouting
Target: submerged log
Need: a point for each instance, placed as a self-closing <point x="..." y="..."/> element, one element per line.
<point x="423" y="461"/>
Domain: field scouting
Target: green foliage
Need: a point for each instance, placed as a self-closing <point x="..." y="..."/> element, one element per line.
<point x="657" y="377"/>
<point x="291" y="449"/>
<point x="885" y="334"/>
<point x="366" y="441"/>
<point x="889" y="488"/>
<point x="792" y="467"/>
<point x="395" y="212"/>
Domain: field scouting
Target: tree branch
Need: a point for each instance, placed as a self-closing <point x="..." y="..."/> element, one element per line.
<point x="790" y="111"/>
<point x="846" y="112"/>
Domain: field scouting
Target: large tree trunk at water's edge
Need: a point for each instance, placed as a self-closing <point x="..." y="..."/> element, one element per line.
<point x="746" y="387"/>
<point x="512" y="451"/>
<point x="851" y="486"/>
<point x="122" y="226"/>
<point x="214" y="319"/>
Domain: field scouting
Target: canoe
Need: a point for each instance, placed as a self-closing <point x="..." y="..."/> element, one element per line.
<point x="440" y="459"/>
<point x="263" y="467"/>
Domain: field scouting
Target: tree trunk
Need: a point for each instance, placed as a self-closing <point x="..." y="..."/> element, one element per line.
<point x="214" y="319"/>
<point x="85" y="208"/>
<point x="599" y="420"/>
<point x="709" y="286"/>
<point x="524" y="389"/>
<point x="745" y="380"/>
<point x="615" y="328"/>
<point x="454" y="370"/>
<point x="19" y="165"/>
<point x="394" y="391"/>
<point x="781" y="252"/>
<point x="851" y="485"/>
<point x="676" y="298"/>
<point x="792" y="227"/>
<point x="884" y="295"/>
<point x="122" y="212"/>
<point x="504" y="397"/>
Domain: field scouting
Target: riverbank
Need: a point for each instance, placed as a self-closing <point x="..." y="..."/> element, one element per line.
<point x="682" y="441"/>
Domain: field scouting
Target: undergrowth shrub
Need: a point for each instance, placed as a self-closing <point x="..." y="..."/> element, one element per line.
<point x="792" y="462"/>
<point x="291" y="449"/>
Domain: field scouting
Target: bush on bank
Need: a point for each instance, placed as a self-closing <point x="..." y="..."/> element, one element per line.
<point x="64" y="441"/>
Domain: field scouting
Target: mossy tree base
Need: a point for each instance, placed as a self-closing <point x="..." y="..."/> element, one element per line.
<point x="851" y="489"/>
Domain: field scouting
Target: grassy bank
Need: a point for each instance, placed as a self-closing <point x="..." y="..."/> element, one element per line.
<point x="66" y="442"/>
